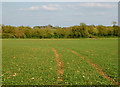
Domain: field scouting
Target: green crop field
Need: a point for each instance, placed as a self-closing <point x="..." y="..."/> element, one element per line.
<point x="60" y="61"/>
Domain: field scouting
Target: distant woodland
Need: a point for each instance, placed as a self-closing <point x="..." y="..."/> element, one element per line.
<point x="78" y="31"/>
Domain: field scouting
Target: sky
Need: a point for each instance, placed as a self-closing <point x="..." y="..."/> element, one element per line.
<point x="59" y="0"/>
<point x="62" y="14"/>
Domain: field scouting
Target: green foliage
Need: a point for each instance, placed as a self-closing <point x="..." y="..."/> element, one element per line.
<point x="82" y="31"/>
<point x="32" y="61"/>
<point x="114" y="23"/>
<point x="7" y="35"/>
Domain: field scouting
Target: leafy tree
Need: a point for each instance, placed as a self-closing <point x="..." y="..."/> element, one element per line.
<point x="19" y="32"/>
<point x="83" y="24"/>
<point x="78" y="31"/>
<point x="102" y="30"/>
<point x="114" y="23"/>
<point x="116" y="30"/>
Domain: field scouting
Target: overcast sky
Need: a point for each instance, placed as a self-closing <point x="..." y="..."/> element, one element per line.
<point x="59" y="13"/>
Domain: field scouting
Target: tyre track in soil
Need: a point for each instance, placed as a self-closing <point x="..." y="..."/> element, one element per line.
<point x="96" y="67"/>
<point x="60" y="68"/>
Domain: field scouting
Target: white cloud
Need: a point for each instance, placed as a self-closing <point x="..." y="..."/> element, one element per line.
<point x="30" y="8"/>
<point x="92" y="5"/>
<point x="101" y="5"/>
<point x="51" y="7"/>
<point x="34" y="8"/>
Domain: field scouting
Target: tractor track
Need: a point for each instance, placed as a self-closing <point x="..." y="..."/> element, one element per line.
<point x="60" y="67"/>
<point x="96" y="67"/>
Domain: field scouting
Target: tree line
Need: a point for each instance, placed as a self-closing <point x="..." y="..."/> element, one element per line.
<point x="78" y="31"/>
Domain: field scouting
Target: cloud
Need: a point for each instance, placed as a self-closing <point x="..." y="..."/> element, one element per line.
<point x="98" y="13"/>
<point x="54" y="7"/>
<point x="34" y="8"/>
<point x="101" y="5"/>
<point x="30" y="8"/>
<point x="50" y="7"/>
<point x="92" y="5"/>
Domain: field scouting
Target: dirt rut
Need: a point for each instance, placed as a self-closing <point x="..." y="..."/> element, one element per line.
<point x="60" y="67"/>
<point x="99" y="69"/>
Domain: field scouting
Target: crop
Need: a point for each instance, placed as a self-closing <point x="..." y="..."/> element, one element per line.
<point x="53" y="62"/>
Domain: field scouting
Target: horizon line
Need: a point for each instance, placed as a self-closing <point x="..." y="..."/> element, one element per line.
<point x="55" y="25"/>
